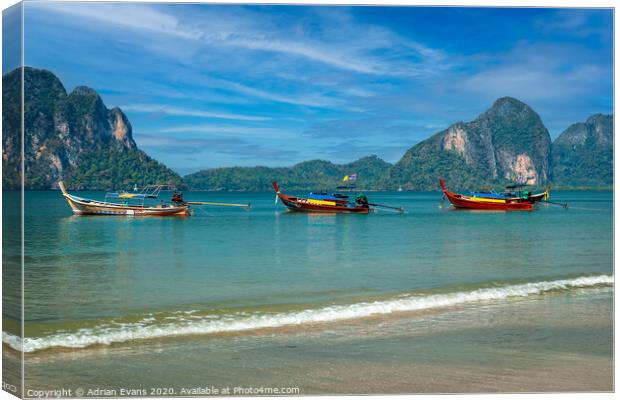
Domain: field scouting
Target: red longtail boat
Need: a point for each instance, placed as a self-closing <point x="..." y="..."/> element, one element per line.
<point x="481" y="203"/>
<point x="307" y="204"/>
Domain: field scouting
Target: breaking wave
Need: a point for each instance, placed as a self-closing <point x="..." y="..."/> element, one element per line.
<point x="146" y="329"/>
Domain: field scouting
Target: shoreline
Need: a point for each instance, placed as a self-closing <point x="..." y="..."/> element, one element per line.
<point x="559" y="342"/>
<point x="410" y="305"/>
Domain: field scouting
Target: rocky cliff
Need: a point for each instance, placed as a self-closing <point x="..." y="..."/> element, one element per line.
<point x="583" y="154"/>
<point x="509" y="140"/>
<point x="72" y="137"/>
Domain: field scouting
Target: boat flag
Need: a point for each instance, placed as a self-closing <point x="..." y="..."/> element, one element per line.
<point x="349" y="178"/>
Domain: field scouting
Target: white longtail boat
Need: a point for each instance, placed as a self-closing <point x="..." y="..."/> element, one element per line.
<point x="82" y="206"/>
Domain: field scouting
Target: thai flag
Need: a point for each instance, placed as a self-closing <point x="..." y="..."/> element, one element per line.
<point x="350" y="178"/>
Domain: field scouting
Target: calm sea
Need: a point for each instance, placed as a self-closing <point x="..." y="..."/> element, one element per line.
<point x="110" y="281"/>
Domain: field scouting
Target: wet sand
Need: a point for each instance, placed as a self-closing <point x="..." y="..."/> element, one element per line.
<point x="554" y="342"/>
<point x="567" y="373"/>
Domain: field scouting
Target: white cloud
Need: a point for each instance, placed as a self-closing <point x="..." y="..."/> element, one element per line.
<point x="311" y="51"/>
<point x="577" y="23"/>
<point x="244" y="131"/>
<point x="188" y="112"/>
<point x="133" y="16"/>
<point x="538" y="72"/>
<point x="299" y="98"/>
<point x="342" y="43"/>
<point x="313" y="100"/>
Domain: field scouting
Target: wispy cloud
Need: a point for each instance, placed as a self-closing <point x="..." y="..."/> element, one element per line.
<point x="335" y="48"/>
<point x="377" y="126"/>
<point x="235" y="147"/>
<point x="312" y="100"/>
<point x="188" y="112"/>
<point x="577" y="23"/>
<point x="247" y="131"/>
<point x="525" y="82"/>
<point x="540" y="72"/>
<point x="124" y="15"/>
<point x="310" y="51"/>
<point x="399" y="56"/>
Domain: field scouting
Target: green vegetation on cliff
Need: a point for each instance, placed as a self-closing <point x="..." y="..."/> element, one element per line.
<point x="106" y="169"/>
<point x="583" y="154"/>
<point x="308" y="175"/>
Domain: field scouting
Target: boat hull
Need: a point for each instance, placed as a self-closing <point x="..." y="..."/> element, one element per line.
<point x="479" y="203"/>
<point x="302" y="204"/>
<point x="82" y="206"/>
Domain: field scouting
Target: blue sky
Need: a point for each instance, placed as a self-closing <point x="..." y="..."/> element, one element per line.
<point x="209" y="85"/>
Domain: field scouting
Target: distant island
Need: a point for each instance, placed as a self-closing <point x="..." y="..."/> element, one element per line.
<point x="74" y="137"/>
<point x="315" y="174"/>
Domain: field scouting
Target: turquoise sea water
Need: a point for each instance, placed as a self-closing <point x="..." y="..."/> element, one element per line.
<point x="99" y="280"/>
<point x="85" y="271"/>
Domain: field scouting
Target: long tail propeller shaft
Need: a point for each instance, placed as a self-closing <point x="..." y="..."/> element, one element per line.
<point x="399" y="209"/>
<point x="208" y="203"/>
<point x="565" y="205"/>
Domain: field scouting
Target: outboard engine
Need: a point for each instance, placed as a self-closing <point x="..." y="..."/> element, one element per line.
<point x="177" y="198"/>
<point x="361" y="200"/>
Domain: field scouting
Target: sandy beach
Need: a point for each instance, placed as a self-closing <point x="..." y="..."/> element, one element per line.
<point x="553" y="342"/>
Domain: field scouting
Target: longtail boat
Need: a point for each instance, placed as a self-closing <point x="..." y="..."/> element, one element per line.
<point x="323" y="203"/>
<point x="485" y="203"/>
<point x="132" y="204"/>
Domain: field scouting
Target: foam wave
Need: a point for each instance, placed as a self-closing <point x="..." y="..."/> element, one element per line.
<point x="243" y="322"/>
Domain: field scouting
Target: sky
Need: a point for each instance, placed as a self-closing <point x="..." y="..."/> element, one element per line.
<point x="209" y="86"/>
